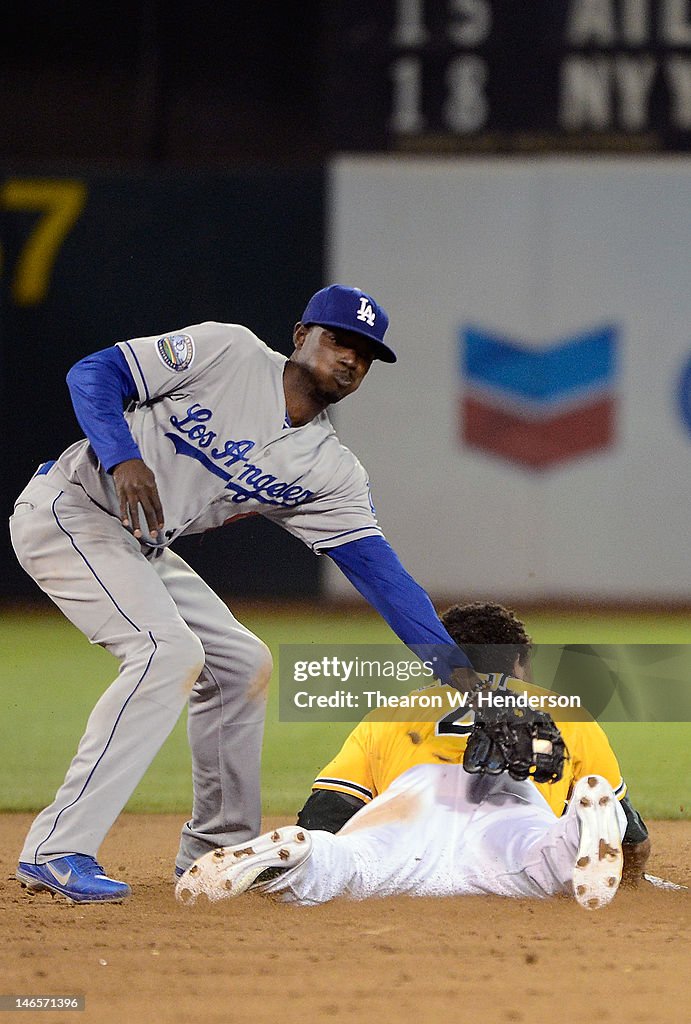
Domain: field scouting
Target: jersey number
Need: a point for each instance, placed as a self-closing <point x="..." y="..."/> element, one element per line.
<point x="458" y="722"/>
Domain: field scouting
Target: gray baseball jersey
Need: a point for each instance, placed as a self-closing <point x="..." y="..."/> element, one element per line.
<point x="210" y="421"/>
<point x="211" y="424"/>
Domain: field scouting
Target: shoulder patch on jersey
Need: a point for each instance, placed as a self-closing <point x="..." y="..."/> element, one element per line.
<point x="176" y="351"/>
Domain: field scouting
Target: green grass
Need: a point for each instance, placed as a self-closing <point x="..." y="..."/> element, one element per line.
<point x="50" y="678"/>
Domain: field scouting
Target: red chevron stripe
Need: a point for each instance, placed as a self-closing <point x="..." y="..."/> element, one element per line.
<point x="538" y="444"/>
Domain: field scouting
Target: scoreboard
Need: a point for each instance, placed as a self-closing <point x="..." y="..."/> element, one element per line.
<point x="507" y="75"/>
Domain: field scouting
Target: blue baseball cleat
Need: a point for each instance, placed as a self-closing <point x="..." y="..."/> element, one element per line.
<point x="77" y="877"/>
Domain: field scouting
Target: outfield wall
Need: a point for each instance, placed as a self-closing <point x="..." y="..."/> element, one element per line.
<point x="90" y="258"/>
<point x="534" y="439"/>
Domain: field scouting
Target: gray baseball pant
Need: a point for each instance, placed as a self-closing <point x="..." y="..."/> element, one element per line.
<point x="177" y="642"/>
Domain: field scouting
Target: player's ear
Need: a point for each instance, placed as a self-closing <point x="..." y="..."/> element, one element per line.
<point x="299" y="334"/>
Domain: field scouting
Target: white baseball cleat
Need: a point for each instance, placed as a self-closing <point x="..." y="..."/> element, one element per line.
<point x="232" y="870"/>
<point x="599" y="861"/>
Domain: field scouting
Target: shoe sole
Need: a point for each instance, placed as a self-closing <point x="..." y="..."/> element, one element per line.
<point x="232" y="870"/>
<point x="599" y="862"/>
<point x="33" y="885"/>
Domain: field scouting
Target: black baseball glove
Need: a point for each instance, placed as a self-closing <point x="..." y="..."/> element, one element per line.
<point x="520" y="741"/>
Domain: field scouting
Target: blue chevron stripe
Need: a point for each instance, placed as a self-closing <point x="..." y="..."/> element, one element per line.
<point x="545" y="375"/>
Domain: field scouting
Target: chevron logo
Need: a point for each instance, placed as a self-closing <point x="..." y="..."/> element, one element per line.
<point x="538" y="406"/>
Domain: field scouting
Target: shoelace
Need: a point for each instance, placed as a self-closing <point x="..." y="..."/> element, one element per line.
<point x="86" y="865"/>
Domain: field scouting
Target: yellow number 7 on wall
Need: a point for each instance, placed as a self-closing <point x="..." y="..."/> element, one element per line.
<point x="61" y="201"/>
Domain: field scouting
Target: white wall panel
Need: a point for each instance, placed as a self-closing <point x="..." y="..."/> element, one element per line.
<point x="535" y="250"/>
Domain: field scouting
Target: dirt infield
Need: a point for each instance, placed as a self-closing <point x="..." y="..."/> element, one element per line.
<point x="249" y="961"/>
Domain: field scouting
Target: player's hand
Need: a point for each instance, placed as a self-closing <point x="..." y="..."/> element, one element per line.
<point x="465" y="679"/>
<point x="135" y="485"/>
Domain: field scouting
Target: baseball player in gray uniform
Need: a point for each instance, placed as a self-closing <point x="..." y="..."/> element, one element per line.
<point x="185" y="432"/>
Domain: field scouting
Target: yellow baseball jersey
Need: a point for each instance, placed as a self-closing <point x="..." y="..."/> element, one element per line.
<point x="376" y="752"/>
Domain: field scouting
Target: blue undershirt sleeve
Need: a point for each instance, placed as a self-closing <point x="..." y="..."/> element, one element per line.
<point x="375" y="570"/>
<point x="100" y="386"/>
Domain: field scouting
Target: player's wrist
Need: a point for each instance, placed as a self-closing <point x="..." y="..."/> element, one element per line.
<point x="120" y="461"/>
<point x="636" y="857"/>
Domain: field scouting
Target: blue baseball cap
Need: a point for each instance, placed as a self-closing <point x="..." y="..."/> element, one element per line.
<point x="353" y="310"/>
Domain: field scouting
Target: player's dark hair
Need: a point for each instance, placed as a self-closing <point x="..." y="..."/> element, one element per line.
<point x="490" y="634"/>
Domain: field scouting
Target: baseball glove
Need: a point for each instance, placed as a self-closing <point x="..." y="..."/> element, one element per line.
<point x="520" y="741"/>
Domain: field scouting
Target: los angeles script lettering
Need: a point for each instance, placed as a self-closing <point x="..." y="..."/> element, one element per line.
<point x="265" y="487"/>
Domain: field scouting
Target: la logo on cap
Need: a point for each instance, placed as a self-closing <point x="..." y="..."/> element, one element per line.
<point x="351" y="309"/>
<point x="365" y="312"/>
